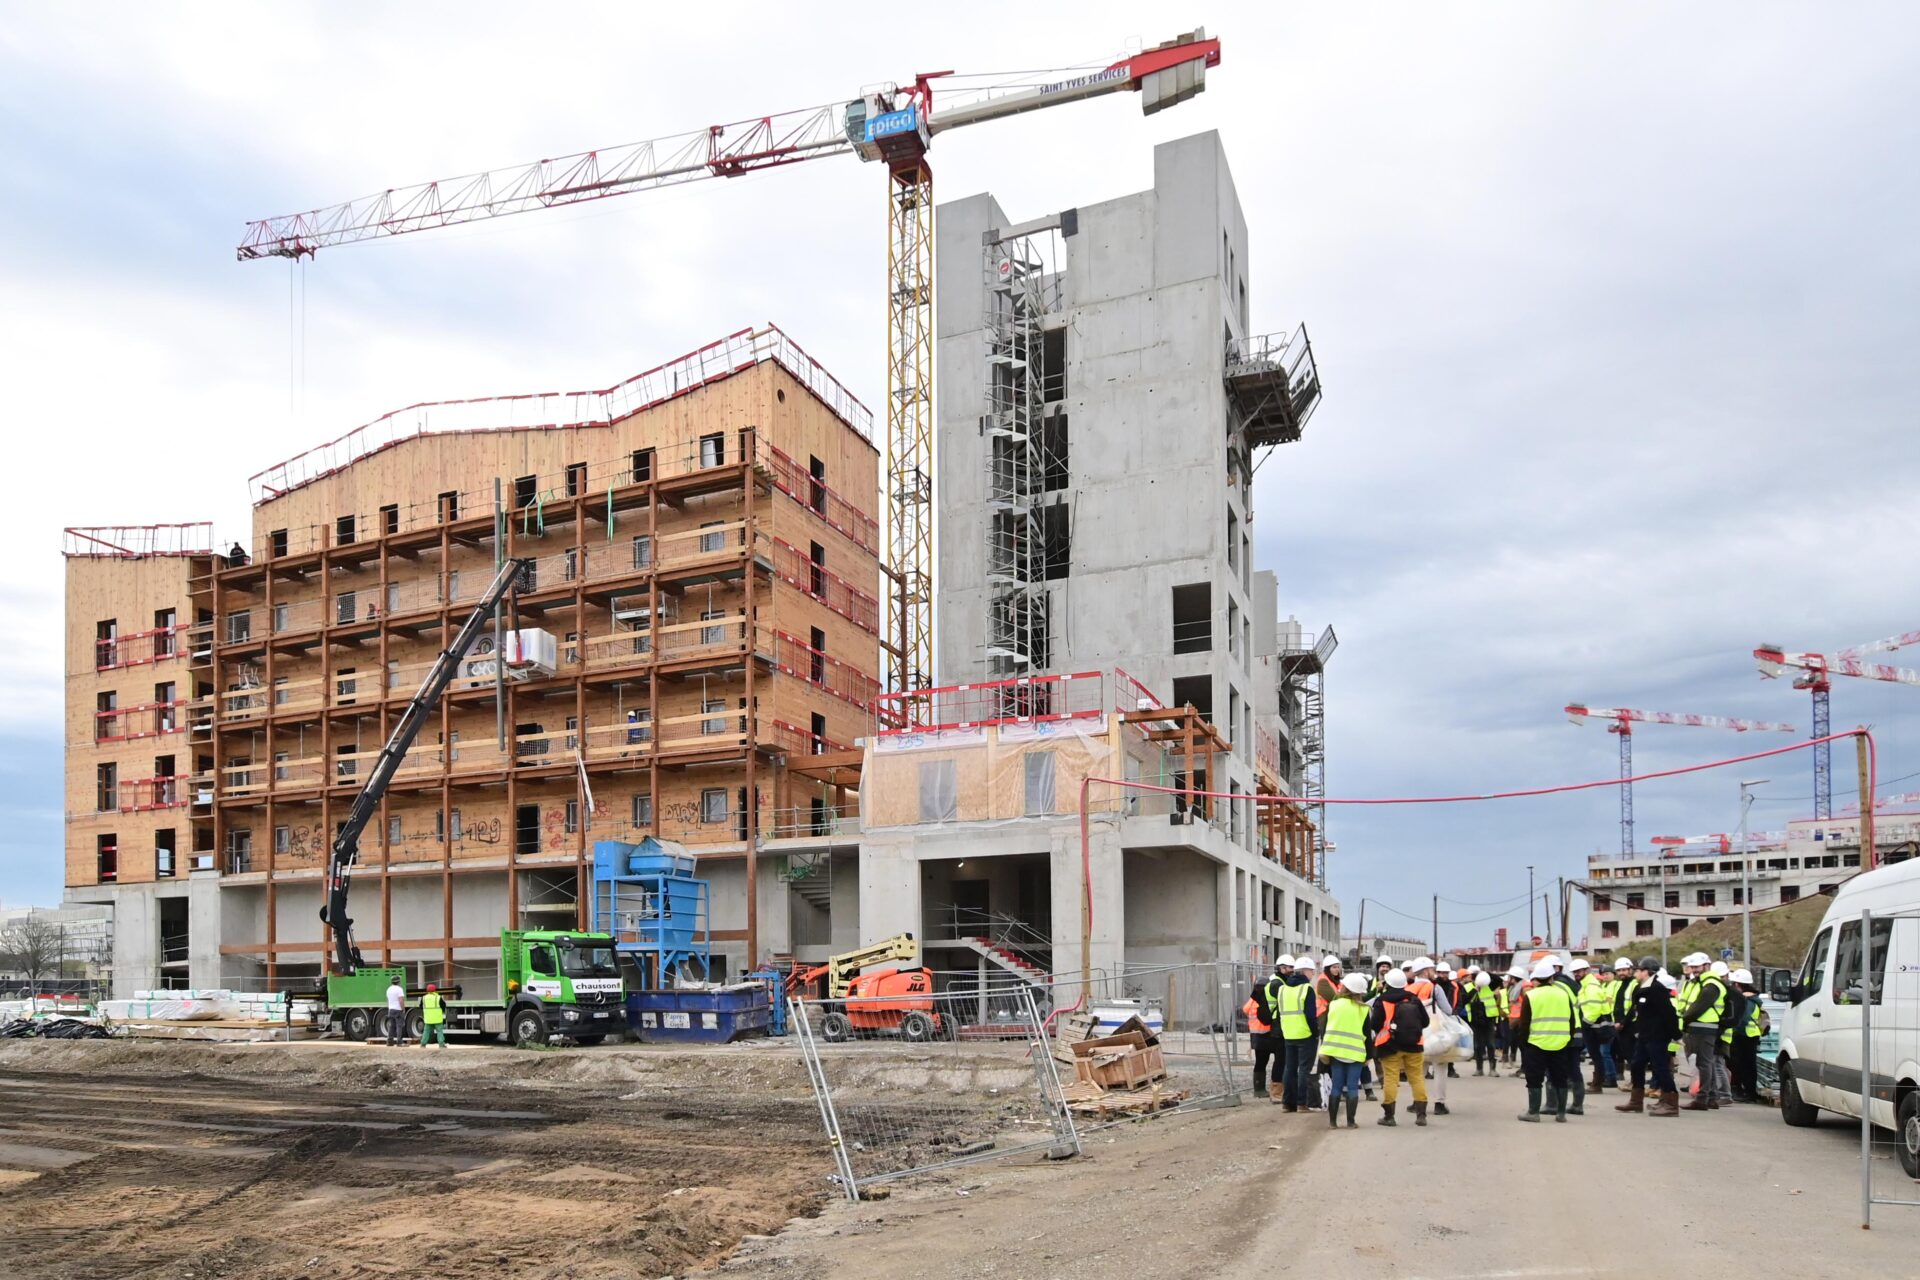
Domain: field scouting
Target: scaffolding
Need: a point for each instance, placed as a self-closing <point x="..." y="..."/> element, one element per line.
<point x="1303" y="679"/>
<point x="1023" y="287"/>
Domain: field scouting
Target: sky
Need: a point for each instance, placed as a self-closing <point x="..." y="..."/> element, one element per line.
<point x="1613" y="304"/>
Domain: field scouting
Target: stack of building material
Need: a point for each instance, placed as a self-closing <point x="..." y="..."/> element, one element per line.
<point x="1113" y="1075"/>
<point x="209" y="1014"/>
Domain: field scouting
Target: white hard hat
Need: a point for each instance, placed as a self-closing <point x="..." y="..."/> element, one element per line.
<point x="1482" y="980"/>
<point x="1696" y="957"/>
<point x="1473" y="968"/>
<point x="1406" y="966"/>
<point x="1356" y="983"/>
<point x="1667" y="980"/>
<point x="1557" y="960"/>
<point x="1327" y="962"/>
<point x="1719" y="969"/>
<point x="1516" y="972"/>
<point x="1578" y="965"/>
<point x="1303" y="962"/>
<point x="1380" y="960"/>
<point x="1396" y="979"/>
<point x="1743" y="977"/>
<point x="1420" y="962"/>
<point x="1623" y="965"/>
<point x="1445" y="968"/>
<point x="1283" y="962"/>
<point x="1543" y="971"/>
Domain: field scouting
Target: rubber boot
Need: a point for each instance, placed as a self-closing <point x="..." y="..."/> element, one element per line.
<point x="1560" y="1113"/>
<point x="1579" y="1104"/>
<point x="1420" y="1115"/>
<point x="1668" y="1104"/>
<point x="1532" y="1115"/>
<point x="1386" y="1116"/>
<point x="1554" y="1100"/>
<point x="1333" y="1114"/>
<point x="1636" y="1101"/>
<point x="1353" y="1107"/>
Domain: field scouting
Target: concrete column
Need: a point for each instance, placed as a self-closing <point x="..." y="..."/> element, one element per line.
<point x="136" y="940"/>
<point x="889" y="891"/>
<point x="205" y="964"/>
<point x="1108" y="952"/>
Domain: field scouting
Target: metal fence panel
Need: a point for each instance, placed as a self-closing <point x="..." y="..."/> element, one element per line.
<point x="1876" y="1023"/>
<point x="913" y="1083"/>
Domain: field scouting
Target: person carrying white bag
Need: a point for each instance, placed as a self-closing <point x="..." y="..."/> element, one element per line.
<point x="1443" y="1036"/>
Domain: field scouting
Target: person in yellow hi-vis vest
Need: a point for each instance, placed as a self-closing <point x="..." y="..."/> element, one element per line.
<point x="1343" y="1047"/>
<point x="433" y="1017"/>
<point x="1546" y="1030"/>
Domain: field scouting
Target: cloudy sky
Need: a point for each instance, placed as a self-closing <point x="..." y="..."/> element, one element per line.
<point x="1615" y="306"/>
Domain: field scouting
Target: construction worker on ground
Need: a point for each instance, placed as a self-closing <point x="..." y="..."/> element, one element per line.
<point x="1703" y="1007"/>
<point x="1343" y="1047"/>
<point x="1427" y="986"/>
<point x="1652" y="1022"/>
<point x="1567" y="974"/>
<point x="433" y="1017"/>
<point x="1483" y="1015"/>
<point x="1621" y="1050"/>
<point x="1516" y="989"/>
<point x="1262" y="1010"/>
<point x="1299" y="1032"/>
<point x="1723" y="1047"/>
<point x="1396" y="1028"/>
<point x="1748" y="1025"/>
<point x="396" y="1014"/>
<point x="1546" y="1031"/>
<point x="1380" y="966"/>
<point x="1327" y="985"/>
<point x="1596" y="1012"/>
<point x="1449" y="982"/>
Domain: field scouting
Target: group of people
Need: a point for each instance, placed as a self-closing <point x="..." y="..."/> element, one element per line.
<point x="1310" y="1020"/>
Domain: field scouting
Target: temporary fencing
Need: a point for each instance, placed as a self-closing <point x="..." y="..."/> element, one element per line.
<point x="909" y="1084"/>
<point x="1872" y="1020"/>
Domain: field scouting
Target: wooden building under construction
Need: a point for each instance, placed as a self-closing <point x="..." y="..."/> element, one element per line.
<point x="704" y="542"/>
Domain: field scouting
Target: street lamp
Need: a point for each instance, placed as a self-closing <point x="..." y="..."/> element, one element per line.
<point x="1746" y="881"/>
<point x="1530" y="929"/>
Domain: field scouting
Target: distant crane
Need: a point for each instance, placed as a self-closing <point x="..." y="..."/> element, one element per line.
<point x="1623" y="721"/>
<point x="895" y="124"/>
<point x="1815" y="670"/>
<point x="1885" y="802"/>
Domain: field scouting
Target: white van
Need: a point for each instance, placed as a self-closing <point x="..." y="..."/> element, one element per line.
<point x="1820" y="1036"/>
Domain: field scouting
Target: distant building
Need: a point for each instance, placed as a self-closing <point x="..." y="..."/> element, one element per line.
<point x="82" y="947"/>
<point x="1657" y="894"/>
<point x="1372" y="945"/>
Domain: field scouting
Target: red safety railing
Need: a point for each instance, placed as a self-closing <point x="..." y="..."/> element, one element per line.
<point x="144" y="721"/>
<point x="1130" y="695"/>
<point x="797" y="741"/>
<point x="137" y="541"/>
<point x="138" y="795"/>
<point x="794" y="480"/>
<point x="793" y="566"/>
<point x="1026" y="700"/>
<point x="795" y="657"/>
<point x="140" y="648"/>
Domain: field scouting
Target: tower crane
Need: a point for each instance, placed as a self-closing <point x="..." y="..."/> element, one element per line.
<point x="894" y="125"/>
<point x="1624" y="719"/>
<point x="1815" y="672"/>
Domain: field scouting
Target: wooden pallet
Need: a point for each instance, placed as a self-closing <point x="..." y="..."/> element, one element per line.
<point x="1087" y="1099"/>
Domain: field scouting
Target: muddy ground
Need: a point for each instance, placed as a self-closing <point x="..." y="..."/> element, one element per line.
<point x="169" y="1160"/>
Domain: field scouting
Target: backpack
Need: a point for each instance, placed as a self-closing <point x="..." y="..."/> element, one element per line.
<point x="1409" y="1025"/>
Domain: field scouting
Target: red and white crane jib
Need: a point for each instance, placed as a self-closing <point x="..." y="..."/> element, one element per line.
<point x="1900" y="641"/>
<point x="1721" y="840"/>
<point x="1624" y="719"/>
<point x="1774" y="662"/>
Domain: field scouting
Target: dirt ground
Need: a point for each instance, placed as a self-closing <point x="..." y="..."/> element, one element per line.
<point x="179" y="1160"/>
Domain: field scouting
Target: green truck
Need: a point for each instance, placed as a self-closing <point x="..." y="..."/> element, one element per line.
<point x="553" y="983"/>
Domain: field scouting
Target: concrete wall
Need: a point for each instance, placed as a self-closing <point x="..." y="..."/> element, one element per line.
<point x="1173" y="907"/>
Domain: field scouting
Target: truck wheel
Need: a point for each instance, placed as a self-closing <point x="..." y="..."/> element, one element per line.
<point x="916" y="1026"/>
<point x="416" y="1025"/>
<point x="529" y="1027"/>
<point x="1795" y="1110"/>
<point x="356" y="1025"/>
<point x="835" y="1028"/>
<point x="1907" y="1116"/>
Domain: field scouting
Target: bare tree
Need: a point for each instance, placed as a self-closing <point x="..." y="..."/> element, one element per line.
<point x="33" y="947"/>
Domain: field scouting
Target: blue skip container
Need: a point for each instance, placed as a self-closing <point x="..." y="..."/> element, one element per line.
<point x="714" y="1015"/>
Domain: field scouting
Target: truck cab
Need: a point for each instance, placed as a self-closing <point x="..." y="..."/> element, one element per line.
<point x="557" y="982"/>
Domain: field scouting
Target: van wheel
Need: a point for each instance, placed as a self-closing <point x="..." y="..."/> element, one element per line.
<point x="1908" y="1118"/>
<point x="1794" y="1109"/>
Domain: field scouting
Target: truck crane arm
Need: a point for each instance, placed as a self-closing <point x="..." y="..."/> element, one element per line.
<point x="346" y="845"/>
